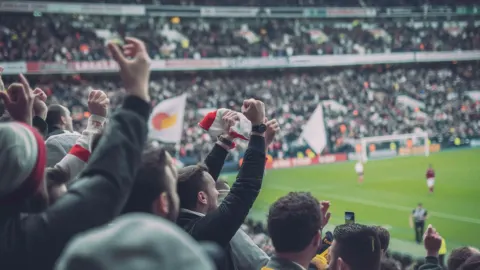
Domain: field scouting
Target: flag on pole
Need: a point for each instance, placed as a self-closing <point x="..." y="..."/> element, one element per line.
<point x="166" y="121"/>
<point x="314" y="131"/>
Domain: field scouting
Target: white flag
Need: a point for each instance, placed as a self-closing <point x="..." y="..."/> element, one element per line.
<point x="166" y="120"/>
<point x="314" y="131"/>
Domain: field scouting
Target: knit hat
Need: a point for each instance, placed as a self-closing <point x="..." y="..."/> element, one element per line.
<point x="134" y="241"/>
<point x="213" y="123"/>
<point x="22" y="161"/>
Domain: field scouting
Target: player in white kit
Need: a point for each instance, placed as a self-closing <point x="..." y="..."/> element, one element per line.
<point x="359" y="171"/>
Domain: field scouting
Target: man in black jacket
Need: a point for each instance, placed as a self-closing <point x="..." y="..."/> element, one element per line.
<point x="200" y="215"/>
<point x="35" y="240"/>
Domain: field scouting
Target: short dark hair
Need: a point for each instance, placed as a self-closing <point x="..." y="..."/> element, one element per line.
<point x="472" y="263"/>
<point x="293" y="220"/>
<point x="388" y="264"/>
<point x="150" y="180"/>
<point x="357" y="245"/>
<point x="54" y="115"/>
<point x="190" y="182"/>
<point x="458" y="256"/>
<point x="383" y="236"/>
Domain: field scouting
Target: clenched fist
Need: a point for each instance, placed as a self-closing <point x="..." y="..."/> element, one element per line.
<point x="254" y="110"/>
<point x="432" y="241"/>
<point x="98" y="103"/>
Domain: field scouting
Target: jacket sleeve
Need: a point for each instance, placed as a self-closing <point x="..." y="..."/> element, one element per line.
<point x="76" y="159"/>
<point x="215" y="160"/>
<point x="431" y="263"/>
<point x="101" y="191"/>
<point x="246" y="254"/>
<point x="221" y="225"/>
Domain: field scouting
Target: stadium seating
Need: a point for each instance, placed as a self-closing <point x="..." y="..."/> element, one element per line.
<point x="82" y="37"/>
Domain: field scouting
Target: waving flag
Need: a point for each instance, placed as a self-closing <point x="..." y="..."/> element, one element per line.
<point x="314" y="131"/>
<point x="166" y="120"/>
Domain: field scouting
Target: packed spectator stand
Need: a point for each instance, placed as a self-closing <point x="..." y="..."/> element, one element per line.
<point x="53" y="37"/>
<point x="359" y="101"/>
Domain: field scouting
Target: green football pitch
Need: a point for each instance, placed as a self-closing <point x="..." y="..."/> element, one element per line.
<point x="391" y="190"/>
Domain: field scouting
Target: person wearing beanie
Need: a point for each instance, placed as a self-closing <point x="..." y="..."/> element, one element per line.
<point x="22" y="162"/>
<point x="35" y="240"/>
<point x="151" y="242"/>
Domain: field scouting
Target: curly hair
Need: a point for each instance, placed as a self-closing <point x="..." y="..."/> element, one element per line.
<point x="293" y="221"/>
<point x="358" y="246"/>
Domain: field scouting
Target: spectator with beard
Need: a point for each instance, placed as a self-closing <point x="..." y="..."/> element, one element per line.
<point x="200" y="214"/>
<point x="355" y="247"/>
<point x="459" y="256"/>
<point x="295" y="224"/>
<point x="102" y="188"/>
<point x="155" y="188"/>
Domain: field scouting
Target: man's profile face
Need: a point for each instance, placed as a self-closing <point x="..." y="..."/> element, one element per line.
<point x="67" y="118"/>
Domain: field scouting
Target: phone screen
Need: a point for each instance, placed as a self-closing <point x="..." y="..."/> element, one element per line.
<point x="349" y="217"/>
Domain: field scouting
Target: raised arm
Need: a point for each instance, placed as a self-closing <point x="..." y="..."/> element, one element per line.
<point x="76" y="159"/>
<point x="221" y="225"/>
<point x="105" y="184"/>
<point x="216" y="158"/>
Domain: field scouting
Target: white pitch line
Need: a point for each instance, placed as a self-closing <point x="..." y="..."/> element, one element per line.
<point x="384" y="205"/>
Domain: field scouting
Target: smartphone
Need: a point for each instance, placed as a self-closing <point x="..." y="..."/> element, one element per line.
<point x="349" y="217"/>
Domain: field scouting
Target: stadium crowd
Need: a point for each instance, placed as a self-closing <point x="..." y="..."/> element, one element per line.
<point x="57" y="37"/>
<point x="60" y="210"/>
<point x="358" y="101"/>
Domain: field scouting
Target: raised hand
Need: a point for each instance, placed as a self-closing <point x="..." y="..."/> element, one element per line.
<point x="254" y="110"/>
<point x="18" y="100"/>
<point x="324" y="206"/>
<point x="272" y="129"/>
<point x="229" y="119"/>
<point x="432" y="241"/>
<point x="134" y="65"/>
<point x="40" y="108"/>
<point x="98" y="103"/>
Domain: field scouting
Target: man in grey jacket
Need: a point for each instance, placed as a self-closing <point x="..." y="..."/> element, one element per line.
<point x="246" y="254"/>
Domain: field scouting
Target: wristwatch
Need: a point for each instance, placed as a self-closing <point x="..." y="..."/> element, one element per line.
<point x="230" y="144"/>
<point x="259" y="128"/>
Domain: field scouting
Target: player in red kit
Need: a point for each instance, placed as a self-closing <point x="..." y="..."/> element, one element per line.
<point x="430" y="178"/>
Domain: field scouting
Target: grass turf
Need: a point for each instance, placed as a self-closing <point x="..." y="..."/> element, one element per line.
<point x="391" y="190"/>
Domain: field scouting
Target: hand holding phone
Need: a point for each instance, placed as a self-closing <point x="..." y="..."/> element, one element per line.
<point x="349" y="217"/>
